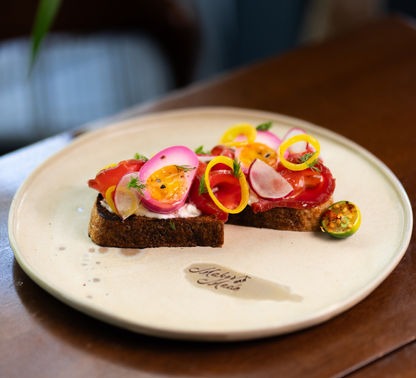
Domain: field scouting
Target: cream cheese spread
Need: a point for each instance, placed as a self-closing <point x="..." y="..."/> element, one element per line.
<point x="186" y="211"/>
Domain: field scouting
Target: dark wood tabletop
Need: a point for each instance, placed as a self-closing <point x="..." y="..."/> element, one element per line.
<point x="362" y="86"/>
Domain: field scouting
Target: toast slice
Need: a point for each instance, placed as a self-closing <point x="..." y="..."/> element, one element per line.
<point x="108" y="230"/>
<point x="282" y="218"/>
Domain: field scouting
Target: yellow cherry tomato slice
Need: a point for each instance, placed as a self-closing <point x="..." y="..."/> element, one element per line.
<point x="299" y="138"/>
<point x="242" y="180"/>
<point x="109" y="198"/>
<point x="228" y="138"/>
<point x="342" y="219"/>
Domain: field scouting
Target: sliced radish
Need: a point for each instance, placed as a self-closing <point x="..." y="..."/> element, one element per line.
<point x="298" y="147"/>
<point x="184" y="162"/>
<point x="126" y="200"/>
<point x="266" y="182"/>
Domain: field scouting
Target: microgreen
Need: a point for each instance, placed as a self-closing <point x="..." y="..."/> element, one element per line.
<point x="172" y="225"/>
<point x="200" y="151"/>
<point x="140" y="157"/>
<point x="202" y="186"/>
<point x="305" y="158"/>
<point x="135" y="183"/>
<point x="237" y="169"/>
<point x="264" y="126"/>
<point x="184" y="168"/>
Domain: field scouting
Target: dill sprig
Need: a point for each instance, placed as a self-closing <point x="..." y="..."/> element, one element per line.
<point x="237" y="169"/>
<point x="304" y="159"/>
<point x="184" y="168"/>
<point x="140" y="157"/>
<point x="202" y="186"/>
<point x="135" y="183"/>
<point x="264" y="126"/>
<point x="200" y="151"/>
<point x="172" y="225"/>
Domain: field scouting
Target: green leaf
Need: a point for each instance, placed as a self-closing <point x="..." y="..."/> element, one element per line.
<point x="140" y="157"/>
<point x="172" y="225"/>
<point x="45" y="15"/>
<point x="200" y="151"/>
<point x="264" y="126"/>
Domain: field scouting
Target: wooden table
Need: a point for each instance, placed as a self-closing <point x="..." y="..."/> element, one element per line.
<point x="362" y="86"/>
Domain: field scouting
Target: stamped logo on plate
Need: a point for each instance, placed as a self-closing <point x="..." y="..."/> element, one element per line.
<point x="226" y="281"/>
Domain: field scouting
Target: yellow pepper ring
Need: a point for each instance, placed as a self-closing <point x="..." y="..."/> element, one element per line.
<point x="243" y="184"/>
<point x="228" y="138"/>
<point x="107" y="166"/>
<point x="109" y="198"/>
<point x="299" y="138"/>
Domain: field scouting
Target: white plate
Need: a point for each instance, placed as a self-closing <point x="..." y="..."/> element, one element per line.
<point x="148" y="290"/>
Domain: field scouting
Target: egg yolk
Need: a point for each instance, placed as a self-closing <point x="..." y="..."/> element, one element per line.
<point x="167" y="184"/>
<point x="258" y="151"/>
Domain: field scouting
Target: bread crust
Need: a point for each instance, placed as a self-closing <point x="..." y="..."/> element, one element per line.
<point x="108" y="230"/>
<point x="282" y="218"/>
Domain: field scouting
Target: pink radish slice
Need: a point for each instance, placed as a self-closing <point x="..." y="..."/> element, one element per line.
<point x="179" y="156"/>
<point x="298" y="147"/>
<point x="126" y="200"/>
<point x="266" y="182"/>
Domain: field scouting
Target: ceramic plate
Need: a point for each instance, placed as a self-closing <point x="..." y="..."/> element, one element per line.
<point x="296" y="279"/>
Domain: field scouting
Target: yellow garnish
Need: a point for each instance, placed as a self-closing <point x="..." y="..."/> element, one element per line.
<point x="109" y="198"/>
<point x="107" y="166"/>
<point x="258" y="151"/>
<point x="299" y="138"/>
<point x="129" y="202"/>
<point x="241" y="178"/>
<point x="228" y="138"/>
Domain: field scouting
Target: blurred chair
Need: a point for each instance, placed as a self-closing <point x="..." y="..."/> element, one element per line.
<point x="99" y="58"/>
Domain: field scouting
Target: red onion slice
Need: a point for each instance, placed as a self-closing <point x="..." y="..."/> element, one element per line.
<point x="179" y="156"/>
<point x="266" y="182"/>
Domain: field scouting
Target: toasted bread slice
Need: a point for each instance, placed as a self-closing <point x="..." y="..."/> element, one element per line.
<point x="107" y="229"/>
<point x="282" y="218"/>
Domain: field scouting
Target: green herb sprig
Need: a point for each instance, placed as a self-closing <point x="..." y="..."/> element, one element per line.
<point x="237" y="169"/>
<point x="305" y="158"/>
<point x="184" y="168"/>
<point x="172" y="225"/>
<point x="136" y="183"/>
<point x="202" y="186"/>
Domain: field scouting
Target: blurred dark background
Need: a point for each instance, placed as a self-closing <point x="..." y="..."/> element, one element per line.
<point x="104" y="56"/>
